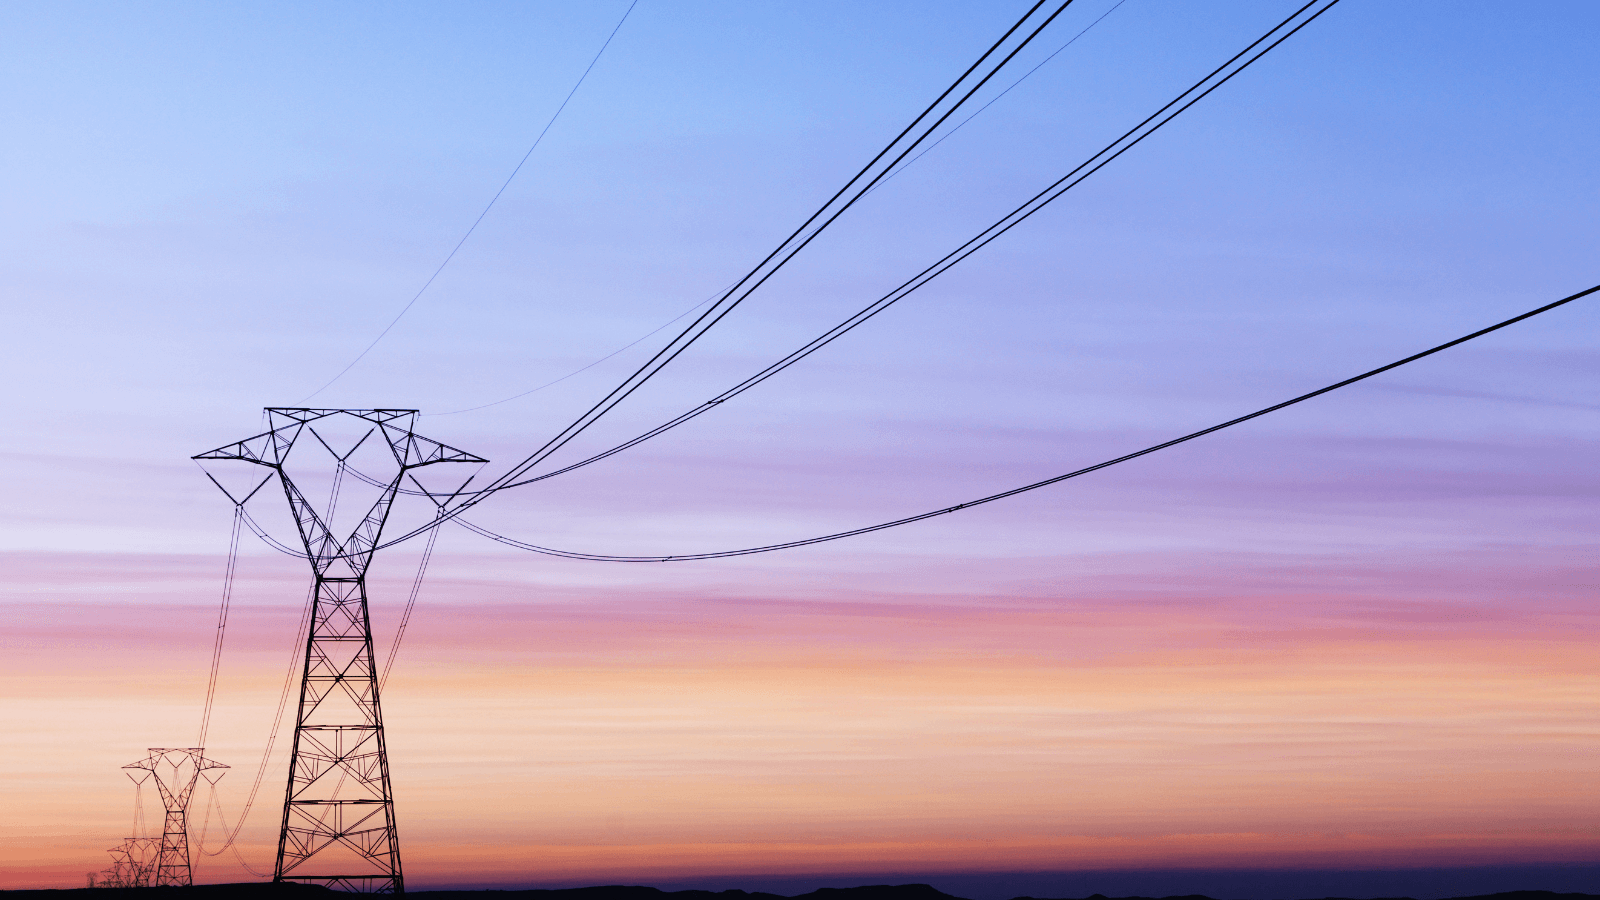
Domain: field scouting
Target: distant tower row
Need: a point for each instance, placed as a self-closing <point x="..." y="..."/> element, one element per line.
<point x="141" y="861"/>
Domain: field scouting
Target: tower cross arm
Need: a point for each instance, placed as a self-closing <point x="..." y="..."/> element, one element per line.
<point x="158" y="755"/>
<point x="413" y="451"/>
<point x="263" y="449"/>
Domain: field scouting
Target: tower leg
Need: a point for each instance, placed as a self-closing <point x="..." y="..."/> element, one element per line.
<point x="338" y="813"/>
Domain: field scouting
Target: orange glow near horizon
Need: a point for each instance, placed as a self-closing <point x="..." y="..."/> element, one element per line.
<point x="611" y="741"/>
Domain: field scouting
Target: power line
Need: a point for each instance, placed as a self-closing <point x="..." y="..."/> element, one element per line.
<point x="786" y="250"/>
<point x="475" y="222"/>
<point x="962" y="124"/>
<point x="903" y="166"/>
<point x="792" y="243"/>
<point x="786" y="545"/>
<point x="1213" y="80"/>
<point x="1156" y="120"/>
<point x="214" y="800"/>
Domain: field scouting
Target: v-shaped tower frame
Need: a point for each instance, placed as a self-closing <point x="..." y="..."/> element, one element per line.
<point x="339" y="805"/>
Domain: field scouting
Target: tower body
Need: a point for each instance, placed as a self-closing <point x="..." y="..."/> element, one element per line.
<point x="339" y="802"/>
<point x="338" y="813"/>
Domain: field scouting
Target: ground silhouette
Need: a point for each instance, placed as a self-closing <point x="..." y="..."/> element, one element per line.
<point x="291" y="891"/>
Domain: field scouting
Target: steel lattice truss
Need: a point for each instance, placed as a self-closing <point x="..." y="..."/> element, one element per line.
<point x="338" y="815"/>
<point x="175" y="771"/>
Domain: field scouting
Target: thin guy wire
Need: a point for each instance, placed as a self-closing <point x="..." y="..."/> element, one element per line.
<point x="479" y="219"/>
<point x="1048" y="481"/>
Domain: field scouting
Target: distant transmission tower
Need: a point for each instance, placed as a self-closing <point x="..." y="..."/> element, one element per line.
<point x="175" y="772"/>
<point x="133" y="864"/>
<point x="339" y="809"/>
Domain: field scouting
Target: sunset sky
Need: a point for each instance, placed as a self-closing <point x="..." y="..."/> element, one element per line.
<point x="1360" y="634"/>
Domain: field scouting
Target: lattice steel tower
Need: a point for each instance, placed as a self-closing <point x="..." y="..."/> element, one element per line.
<point x="175" y="771"/>
<point x="338" y="811"/>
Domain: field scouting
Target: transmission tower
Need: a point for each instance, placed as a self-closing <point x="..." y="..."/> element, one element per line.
<point x="175" y="772"/>
<point x="338" y="811"/>
<point x="133" y="864"/>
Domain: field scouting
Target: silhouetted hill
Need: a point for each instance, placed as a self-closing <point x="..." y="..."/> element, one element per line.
<point x="1508" y="895"/>
<point x="291" y="891"/>
<point x="254" y="890"/>
<point x="625" y="892"/>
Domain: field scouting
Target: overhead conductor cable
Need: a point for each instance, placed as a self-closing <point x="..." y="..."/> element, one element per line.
<point x="903" y="166"/>
<point x="1219" y="76"/>
<point x="1216" y="78"/>
<point x="1122" y="144"/>
<point x="1171" y="110"/>
<point x="878" y="167"/>
<point x="786" y="545"/>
